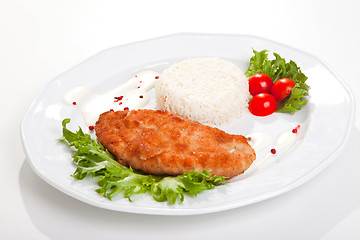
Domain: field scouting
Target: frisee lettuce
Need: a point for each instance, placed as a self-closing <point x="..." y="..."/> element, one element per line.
<point x="276" y="69"/>
<point x="95" y="160"/>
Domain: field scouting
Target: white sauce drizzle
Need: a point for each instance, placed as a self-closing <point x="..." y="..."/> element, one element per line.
<point x="262" y="140"/>
<point x="285" y="140"/>
<point x="92" y="104"/>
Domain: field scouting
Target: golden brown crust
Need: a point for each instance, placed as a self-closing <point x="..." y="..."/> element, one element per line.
<point x="158" y="142"/>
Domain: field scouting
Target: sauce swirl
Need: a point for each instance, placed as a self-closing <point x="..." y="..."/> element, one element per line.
<point x="133" y="94"/>
<point x="262" y="140"/>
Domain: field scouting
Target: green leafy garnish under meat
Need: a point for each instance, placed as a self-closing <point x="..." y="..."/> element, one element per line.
<point x="93" y="159"/>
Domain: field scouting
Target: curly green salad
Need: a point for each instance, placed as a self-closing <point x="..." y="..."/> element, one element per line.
<point x="278" y="69"/>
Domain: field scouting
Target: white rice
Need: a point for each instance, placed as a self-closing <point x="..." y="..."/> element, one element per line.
<point x="207" y="90"/>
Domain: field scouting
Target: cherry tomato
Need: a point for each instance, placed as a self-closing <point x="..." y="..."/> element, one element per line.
<point x="262" y="104"/>
<point x="282" y="88"/>
<point x="260" y="83"/>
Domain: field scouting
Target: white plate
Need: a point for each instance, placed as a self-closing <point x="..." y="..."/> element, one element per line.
<point x="325" y="122"/>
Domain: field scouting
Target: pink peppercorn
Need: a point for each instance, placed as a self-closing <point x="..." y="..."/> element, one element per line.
<point x="295" y="130"/>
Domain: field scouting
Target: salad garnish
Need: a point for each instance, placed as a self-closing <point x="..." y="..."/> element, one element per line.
<point x="277" y="69"/>
<point x="92" y="159"/>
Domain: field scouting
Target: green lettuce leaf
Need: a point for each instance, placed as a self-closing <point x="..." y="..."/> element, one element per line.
<point x="278" y="68"/>
<point x="92" y="159"/>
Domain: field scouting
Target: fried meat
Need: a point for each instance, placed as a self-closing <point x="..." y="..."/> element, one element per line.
<point x="162" y="143"/>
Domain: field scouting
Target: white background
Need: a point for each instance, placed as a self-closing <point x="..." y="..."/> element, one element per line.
<point x="40" y="39"/>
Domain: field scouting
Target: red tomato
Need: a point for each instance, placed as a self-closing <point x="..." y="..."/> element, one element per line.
<point x="282" y="88"/>
<point x="260" y="83"/>
<point x="262" y="104"/>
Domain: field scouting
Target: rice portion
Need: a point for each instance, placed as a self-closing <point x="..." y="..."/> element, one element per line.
<point x="207" y="90"/>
